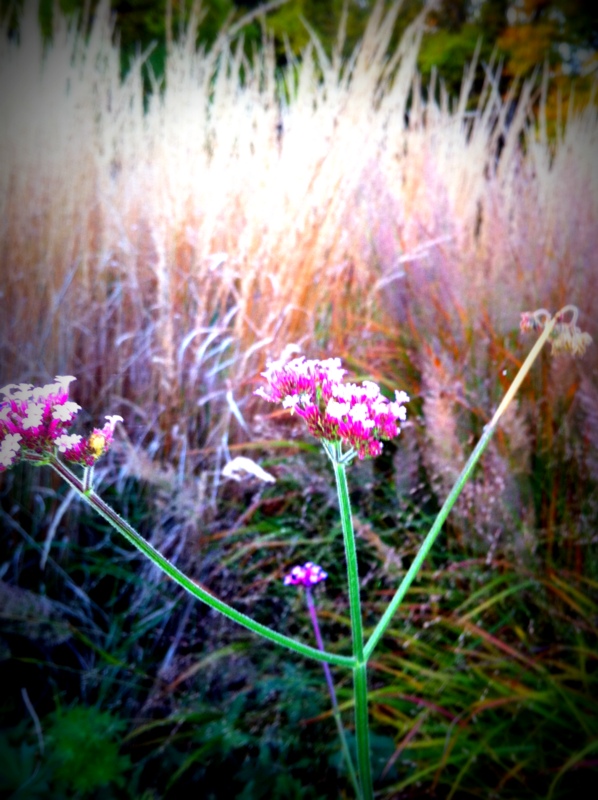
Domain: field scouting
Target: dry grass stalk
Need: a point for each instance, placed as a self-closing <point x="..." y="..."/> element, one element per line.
<point x="162" y="255"/>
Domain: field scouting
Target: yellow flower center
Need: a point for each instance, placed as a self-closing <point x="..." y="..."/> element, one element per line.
<point x="97" y="443"/>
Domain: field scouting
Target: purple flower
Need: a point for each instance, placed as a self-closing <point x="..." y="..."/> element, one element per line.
<point x="357" y="416"/>
<point x="34" y="422"/>
<point x="307" y="575"/>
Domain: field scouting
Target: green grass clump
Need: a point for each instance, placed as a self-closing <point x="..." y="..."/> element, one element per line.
<point x="485" y="681"/>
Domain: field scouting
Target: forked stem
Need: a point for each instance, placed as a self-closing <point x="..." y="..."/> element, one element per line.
<point x="123" y="527"/>
<point x="567" y="338"/>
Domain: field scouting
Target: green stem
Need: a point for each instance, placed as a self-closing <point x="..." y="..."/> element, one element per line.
<point x="336" y="712"/>
<point x="455" y="492"/>
<point x="123" y="527"/>
<point x="342" y="489"/>
<point x="362" y="731"/>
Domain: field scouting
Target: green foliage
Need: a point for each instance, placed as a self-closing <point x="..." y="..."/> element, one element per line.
<point x="382" y="749"/>
<point x="486" y="679"/>
<point x="21" y="774"/>
<point x="80" y="755"/>
<point x="84" y="744"/>
<point x="295" y="20"/>
<point x="448" y="52"/>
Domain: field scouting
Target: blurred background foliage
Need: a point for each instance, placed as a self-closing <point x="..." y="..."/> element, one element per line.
<point x="524" y="35"/>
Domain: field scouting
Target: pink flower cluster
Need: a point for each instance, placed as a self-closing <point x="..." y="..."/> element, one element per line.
<point x="357" y="416"/>
<point x="307" y="575"/>
<point x="34" y="422"/>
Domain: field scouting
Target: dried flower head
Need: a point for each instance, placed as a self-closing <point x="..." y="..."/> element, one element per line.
<point x="565" y="337"/>
<point x="34" y="422"/>
<point x="358" y="417"/>
<point x="534" y="320"/>
<point x="307" y="575"/>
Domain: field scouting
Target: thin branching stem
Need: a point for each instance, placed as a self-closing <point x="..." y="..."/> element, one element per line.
<point x="455" y="492"/>
<point x="123" y="527"/>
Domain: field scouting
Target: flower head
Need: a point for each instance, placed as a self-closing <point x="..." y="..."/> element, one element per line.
<point x="534" y="320"/>
<point x="565" y="337"/>
<point x="34" y="422"/>
<point x="357" y="416"/>
<point x="568" y="338"/>
<point x="307" y="575"/>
